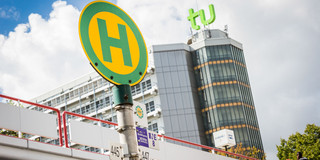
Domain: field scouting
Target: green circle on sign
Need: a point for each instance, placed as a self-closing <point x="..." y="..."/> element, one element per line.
<point x="120" y="58"/>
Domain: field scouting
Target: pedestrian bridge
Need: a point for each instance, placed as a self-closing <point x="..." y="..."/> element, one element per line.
<point x="72" y="133"/>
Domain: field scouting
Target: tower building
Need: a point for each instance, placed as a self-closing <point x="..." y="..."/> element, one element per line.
<point x="220" y="90"/>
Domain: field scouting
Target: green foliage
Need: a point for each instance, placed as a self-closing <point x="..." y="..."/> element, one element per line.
<point x="18" y="104"/>
<point x="308" y="144"/>
<point x="249" y="152"/>
<point x="9" y="133"/>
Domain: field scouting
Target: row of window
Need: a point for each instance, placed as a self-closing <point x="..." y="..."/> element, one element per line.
<point x="76" y="92"/>
<point x="213" y="72"/>
<point x="227" y="93"/>
<point x="150" y="107"/>
<point x="229" y="116"/>
<point x="242" y="71"/>
<point x="104" y="102"/>
<point x="91" y="107"/>
<point x="219" y="94"/>
<point x="211" y="53"/>
<point x="153" y="127"/>
<point x="146" y="85"/>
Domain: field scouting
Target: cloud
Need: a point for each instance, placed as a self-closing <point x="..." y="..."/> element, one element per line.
<point x="280" y="45"/>
<point x="9" y="13"/>
<point x="42" y="54"/>
<point x="280" y="42"/>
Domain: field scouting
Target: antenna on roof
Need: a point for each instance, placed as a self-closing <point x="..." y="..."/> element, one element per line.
<point x="226" y="30"/>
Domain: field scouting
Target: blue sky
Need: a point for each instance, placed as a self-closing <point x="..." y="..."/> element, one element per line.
<point x="280" y="41"/>
<point x="14" y="12"/>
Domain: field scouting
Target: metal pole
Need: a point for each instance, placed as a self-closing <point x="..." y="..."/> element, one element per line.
<point x="94" y="100"/>
<point x="143" y="91"/>
<point x="123" y="101"/>
<point x="111" y="103"/>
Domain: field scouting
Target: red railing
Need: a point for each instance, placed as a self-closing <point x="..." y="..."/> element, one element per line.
<point x="166" y="137"/>
<point x="41" y="106"/>
<point x="110" y="123"/>
<point x="82" y="116"/>
<point x="206" y="147"/>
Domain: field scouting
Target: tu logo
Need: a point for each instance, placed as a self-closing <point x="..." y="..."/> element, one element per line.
<point x="193" y="15"/>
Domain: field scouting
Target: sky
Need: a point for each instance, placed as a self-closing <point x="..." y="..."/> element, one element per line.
<point x="40" y="50"/>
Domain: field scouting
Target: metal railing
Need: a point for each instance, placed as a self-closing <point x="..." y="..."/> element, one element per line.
<point x="41" y="106"/>
<point x="206" y="147"/>
<point x="110" y="123"/>
<point x="81" y="116"/>
<point x="165" y="137"/>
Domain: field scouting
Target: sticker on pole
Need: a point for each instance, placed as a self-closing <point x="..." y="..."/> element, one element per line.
<point x="116" y="151"/>
<point x="113" y="43"/>
<point x="142" y="137"/>
<point x="153" y="140"/>
<point x="140" y="115"/>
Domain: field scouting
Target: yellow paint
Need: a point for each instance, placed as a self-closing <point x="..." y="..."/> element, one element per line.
<point x="117" y="64"/>
<point x="139" y="112"/>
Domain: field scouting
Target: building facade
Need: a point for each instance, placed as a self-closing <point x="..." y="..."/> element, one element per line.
<point x="190" y="91"/>
<point x="91" y="95"/>
<point x="219" y="83"/>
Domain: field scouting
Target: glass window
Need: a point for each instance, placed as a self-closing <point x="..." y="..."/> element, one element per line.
<point x="67" y="96"/>
<point x="90" y="86"/>
<point x="153" y="127"/>
<point x="81" y="90"/>
<point x="75" y="92"/>
<point x="95" y="84"/>
<point x="150" y="106"/>
<point x="85" y="89"/>
<point x="71" y="94"/>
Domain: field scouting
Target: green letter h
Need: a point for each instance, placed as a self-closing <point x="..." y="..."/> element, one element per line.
<point x="107" y="42"/>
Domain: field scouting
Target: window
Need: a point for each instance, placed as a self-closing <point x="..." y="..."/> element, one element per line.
<point x="81" y="90"/>
<point x="135" y="89"/>
<point x="86" y="89"/>
<point x="67" y="96"/>
<point x="150" y="106"/>
<point x="153" y="127"/>
<point x="90" y="87"/>
<point x="71" y="94"/>
<point x="107" y="99"/>
<point x="146" y="85"/>
<point x="95" y="84"/>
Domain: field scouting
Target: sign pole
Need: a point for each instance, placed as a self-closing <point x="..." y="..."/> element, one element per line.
<point x="123" y="102"/>
<point x="124" y="67"/>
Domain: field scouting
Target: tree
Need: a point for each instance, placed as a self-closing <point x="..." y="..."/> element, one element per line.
<point x="249" y="152"/>
<point x="308" y="144"/>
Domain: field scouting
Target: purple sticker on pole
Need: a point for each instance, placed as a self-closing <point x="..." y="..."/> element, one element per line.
<point x="142" y="137"/>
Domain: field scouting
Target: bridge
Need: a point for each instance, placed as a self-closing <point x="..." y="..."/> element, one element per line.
<point x="39" y="135"/>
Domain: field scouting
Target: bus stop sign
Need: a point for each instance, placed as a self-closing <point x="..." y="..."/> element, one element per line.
<point x="113" y="43"/>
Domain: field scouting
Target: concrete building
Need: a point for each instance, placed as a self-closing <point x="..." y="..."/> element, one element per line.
<point x="190" y="91"/>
